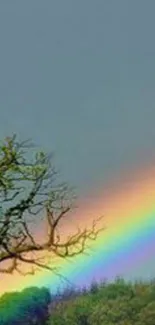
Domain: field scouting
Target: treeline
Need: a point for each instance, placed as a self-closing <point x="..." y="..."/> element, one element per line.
<point x="120" y="302"/>
<point x="104" y="303"/>
<point x="27" y="307"/>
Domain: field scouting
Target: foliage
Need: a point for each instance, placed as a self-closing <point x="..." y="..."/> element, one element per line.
<point x="120" y="302"/>
<point x="27" y="307"/>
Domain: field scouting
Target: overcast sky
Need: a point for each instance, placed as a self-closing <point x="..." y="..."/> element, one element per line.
<point x="78" y="77"/>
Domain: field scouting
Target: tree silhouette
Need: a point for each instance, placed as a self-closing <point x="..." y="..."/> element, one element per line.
<point x="30" y="194"/>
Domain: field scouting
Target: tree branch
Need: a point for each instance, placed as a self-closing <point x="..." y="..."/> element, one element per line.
<point x="28" y="187"/>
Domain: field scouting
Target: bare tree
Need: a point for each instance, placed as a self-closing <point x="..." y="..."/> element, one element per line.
<point x="29" y="191"/>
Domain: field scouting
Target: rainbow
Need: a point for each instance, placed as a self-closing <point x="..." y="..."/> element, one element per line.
<point x="126" y="247"/>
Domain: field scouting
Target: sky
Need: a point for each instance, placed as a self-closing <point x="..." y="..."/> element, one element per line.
<point x="78" y="77"/>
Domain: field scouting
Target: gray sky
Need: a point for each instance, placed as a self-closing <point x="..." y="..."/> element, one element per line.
<point x="79" y="78"/>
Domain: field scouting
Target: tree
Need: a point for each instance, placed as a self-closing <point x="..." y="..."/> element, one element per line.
<point x="94" y="287"/>
<point x="29" y="189"/>
<point x="147" y="314"/>
<point x="27" y="307"/>
<point x="73" y="312"/>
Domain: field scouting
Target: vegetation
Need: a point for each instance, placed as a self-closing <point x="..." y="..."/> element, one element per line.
<point x="118" y="303"/>
<point x="30" y="198"/>
<point x="27" y="307"/>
